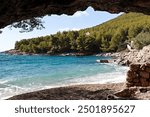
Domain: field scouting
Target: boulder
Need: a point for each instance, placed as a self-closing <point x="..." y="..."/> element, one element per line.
<point x="103" y="61"/>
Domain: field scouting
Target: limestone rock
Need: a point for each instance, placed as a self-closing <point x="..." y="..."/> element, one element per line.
<point x="135" y="56"/>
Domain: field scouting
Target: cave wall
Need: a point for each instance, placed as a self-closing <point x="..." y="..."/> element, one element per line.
<point x="17" y="10"/>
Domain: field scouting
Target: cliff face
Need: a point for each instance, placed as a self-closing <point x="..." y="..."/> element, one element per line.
<point x="17" y="10"/>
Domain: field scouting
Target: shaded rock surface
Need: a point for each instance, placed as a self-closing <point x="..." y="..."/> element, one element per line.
<point x="17" y="10"/>
<point x="138" y="75"/>
<point x="140" y="93"/>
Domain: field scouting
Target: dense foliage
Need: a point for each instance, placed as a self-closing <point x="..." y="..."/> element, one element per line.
<point x="141" y="40"/>
<point x="110" y="36"/>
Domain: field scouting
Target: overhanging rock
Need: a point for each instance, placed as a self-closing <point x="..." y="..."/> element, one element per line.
<point x="17" y="10"/>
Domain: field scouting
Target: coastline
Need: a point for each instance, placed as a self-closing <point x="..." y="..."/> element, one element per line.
<point x="89" y="89"/>
<point x="17" y="52"/>
<point x="108" y="91"/>
<point x="91" y="80"/>
<point x="73" y="92"/>
<point x="114" y="55"/>
<point x="114" y="85"/>
<point x="94" y="91"/>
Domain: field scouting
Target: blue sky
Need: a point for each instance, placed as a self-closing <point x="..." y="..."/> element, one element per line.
<point x="55" y="23"/>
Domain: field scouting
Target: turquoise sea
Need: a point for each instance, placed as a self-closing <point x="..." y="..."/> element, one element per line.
<point x="20" y="74"/>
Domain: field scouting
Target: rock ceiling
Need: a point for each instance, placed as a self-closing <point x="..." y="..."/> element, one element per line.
<point x="17" y="10"/>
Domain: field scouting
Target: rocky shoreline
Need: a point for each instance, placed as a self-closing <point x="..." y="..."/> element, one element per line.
<point x="135" y="56"/>
<point x="18" y="52"/>
<point x="124" y="58"/>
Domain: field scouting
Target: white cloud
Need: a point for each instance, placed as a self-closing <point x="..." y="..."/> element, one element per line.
<point x="68" y="29"/>
<point x="80" y="13"/>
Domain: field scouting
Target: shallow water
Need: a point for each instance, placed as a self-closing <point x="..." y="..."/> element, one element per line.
<point x="20" y="74"/>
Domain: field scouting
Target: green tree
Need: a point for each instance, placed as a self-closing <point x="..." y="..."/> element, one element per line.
<point x="81" y="43"/>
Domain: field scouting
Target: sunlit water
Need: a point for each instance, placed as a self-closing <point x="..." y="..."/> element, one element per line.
<point x="20" y="74"/>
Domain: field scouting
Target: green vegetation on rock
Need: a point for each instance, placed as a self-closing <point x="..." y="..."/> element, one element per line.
<point x="110" y="36"/>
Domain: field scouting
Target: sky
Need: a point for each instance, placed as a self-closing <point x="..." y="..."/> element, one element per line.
<point x="55" y="23"/>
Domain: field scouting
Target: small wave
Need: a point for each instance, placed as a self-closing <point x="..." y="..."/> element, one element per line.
<point x="3" y="81"/>
<point x="12" y="90"/>
<point x="101" y="78"/>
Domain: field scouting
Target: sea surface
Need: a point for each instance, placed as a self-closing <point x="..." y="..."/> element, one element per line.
<point x="20" y="74"/>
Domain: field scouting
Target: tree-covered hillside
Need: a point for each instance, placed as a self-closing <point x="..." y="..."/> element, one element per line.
<point x="110" y="36"/>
